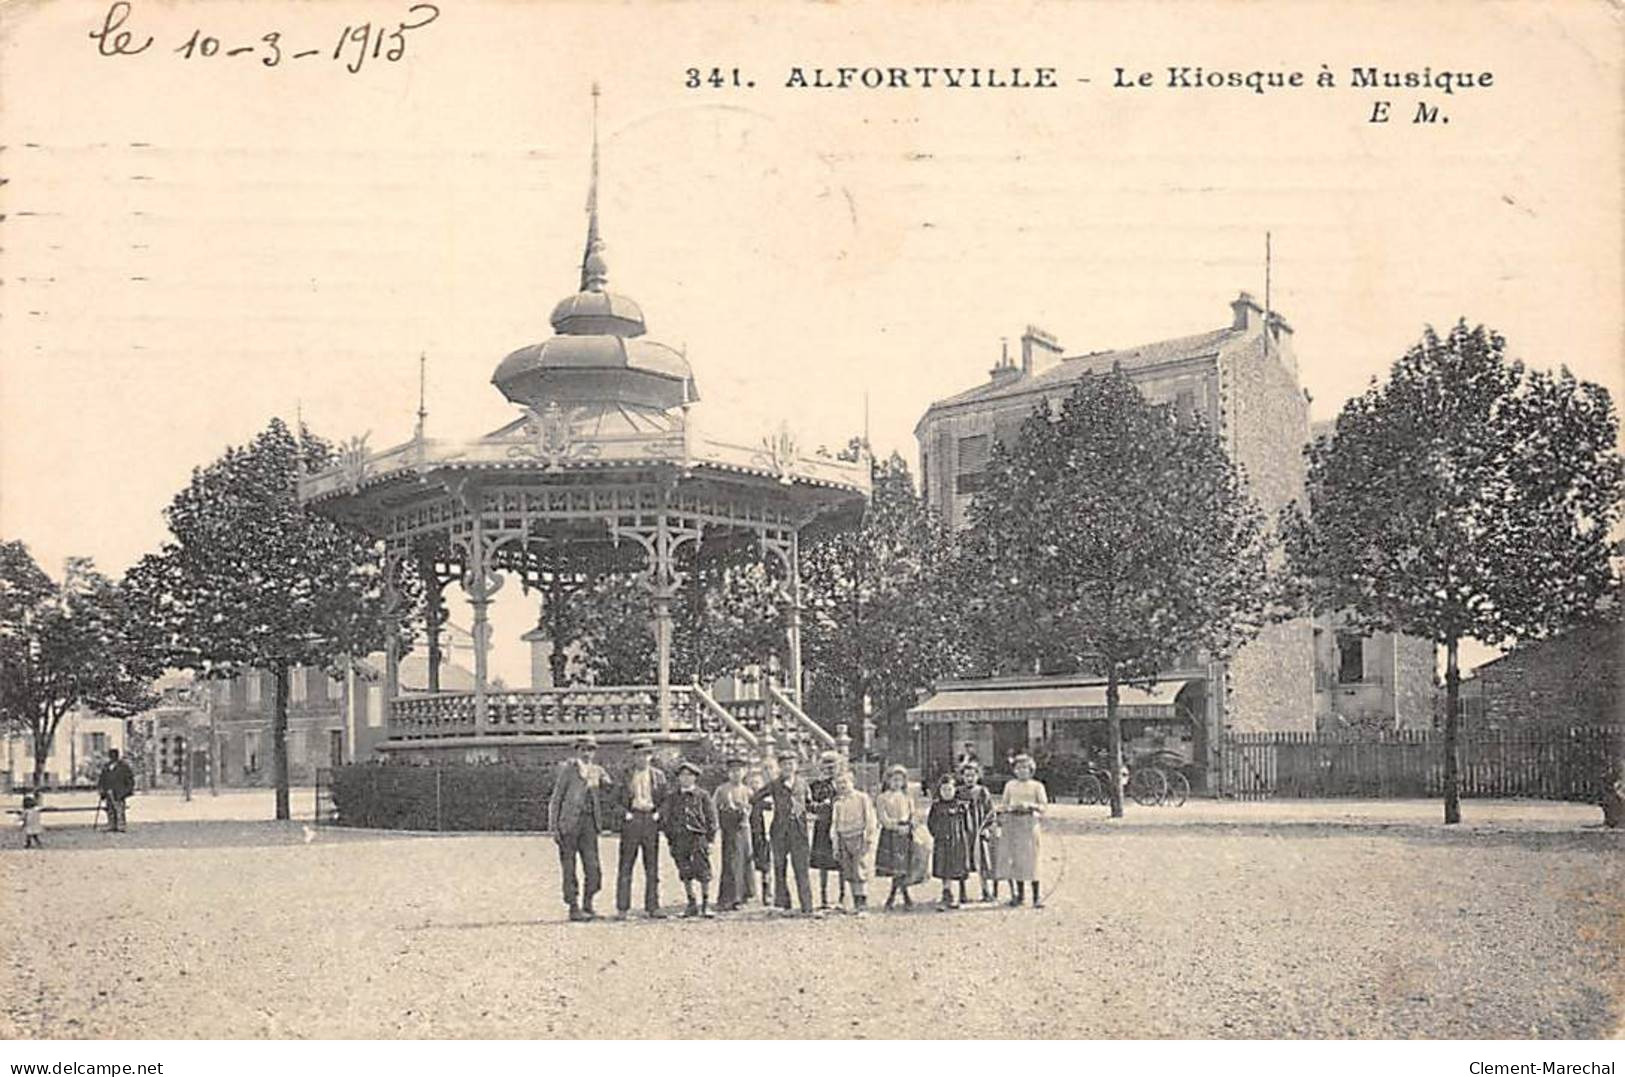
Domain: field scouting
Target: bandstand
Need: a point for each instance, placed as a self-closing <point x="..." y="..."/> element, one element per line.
<point x="602" y="469"/>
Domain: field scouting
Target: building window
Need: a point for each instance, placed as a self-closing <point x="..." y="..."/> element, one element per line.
<point x="971" y="474"/>
<point x="925" y="476"/>
<point x="1350" y="658"/>
<point x="296" y="684"/>
<point x="98" y="745"/>
<point x="251" y="681"/>
<point x="1185" y="405"/>
<point x="251" y="752"/>
<point x="296" y="746"/>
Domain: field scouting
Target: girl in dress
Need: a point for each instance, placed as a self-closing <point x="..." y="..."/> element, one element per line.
<point x="982" y="811"/>
<point x="1020" y="808"/>
<point x="949" y="823"/>
<point x="732" y="800"/>
<point x="895" y="809"/>
<point x="821" y="805"/>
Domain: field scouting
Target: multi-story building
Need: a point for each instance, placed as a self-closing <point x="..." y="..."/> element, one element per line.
<point x="77" y="753"/>
<point x="1242" y="381"/>
<point x="332" y="719"/>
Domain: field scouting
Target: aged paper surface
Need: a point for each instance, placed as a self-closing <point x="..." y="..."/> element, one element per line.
<point x="216" y="213"/>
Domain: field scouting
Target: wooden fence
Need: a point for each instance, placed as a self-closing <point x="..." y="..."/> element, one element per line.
<point x="1551" y="763"/>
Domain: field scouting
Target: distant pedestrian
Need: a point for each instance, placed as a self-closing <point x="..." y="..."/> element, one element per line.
<point x="737" y="882"/>
<point x="949" y="823"/>
<point x="575" y="815"/>
<point x="33" y="825"/>
<point x="690" y="820"/>
<point x="643" y="790"/>
<point x="856" y="830"/>
<point x="115" y="785"/>
<point x="788" y="796"/>
<point x="1023" y="803"/>
<point x="894" y="810"/>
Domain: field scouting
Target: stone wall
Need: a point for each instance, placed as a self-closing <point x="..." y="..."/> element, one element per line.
<point x="1574" y="679"/>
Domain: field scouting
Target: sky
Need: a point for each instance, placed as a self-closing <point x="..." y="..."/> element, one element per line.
<point x="195" y="243"/>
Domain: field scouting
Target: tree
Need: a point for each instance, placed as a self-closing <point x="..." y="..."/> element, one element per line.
<point x="1111" y="538"/>
<point x="252" y="581"/>
<point x="1465" y="497"/>
<point x="876" y="627"/>
<point x="729" y="613"/>
<point x="64" y="646"/>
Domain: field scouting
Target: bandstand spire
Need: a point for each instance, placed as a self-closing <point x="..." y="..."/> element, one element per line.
<point x="594" y="271"/>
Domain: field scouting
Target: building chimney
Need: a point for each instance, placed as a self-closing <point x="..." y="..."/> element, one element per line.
<point x="1246" y="313"/>
<point x="1039" y="351"/>
<point x="1006" y="370"/>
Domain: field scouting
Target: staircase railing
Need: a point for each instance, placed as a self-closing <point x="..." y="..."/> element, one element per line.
<point x="818" y="732"/>
<point x="719" y="712"/>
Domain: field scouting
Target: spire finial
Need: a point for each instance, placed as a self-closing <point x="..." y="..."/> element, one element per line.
<point x="423" y="410"/>
<point x="594" y="272"/>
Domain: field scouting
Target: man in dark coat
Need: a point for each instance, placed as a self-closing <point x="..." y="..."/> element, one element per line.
<point x="116" y="784"/>
<point x="642" y="792"/>
<point x="575" y="816"/>
<point x="789" y="796"/>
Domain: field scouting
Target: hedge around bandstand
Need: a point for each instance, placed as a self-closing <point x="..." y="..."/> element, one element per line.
<point x="443" y="797"/>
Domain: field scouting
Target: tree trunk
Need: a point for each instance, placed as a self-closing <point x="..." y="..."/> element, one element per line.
<point x="1452" y="706"/>
<point x="42" y="749"/>
<point x="1114" y="749"/>
<point x="279" y="742"/>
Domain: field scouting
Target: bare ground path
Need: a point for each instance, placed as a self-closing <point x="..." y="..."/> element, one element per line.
<point x="1249" y="920"/>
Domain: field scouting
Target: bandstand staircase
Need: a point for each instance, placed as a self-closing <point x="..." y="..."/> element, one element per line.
<point x="750" y="726"/>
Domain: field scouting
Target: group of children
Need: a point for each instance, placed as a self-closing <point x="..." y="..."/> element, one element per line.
<point x="995" y="839"/>
<point x="775" y="826"/>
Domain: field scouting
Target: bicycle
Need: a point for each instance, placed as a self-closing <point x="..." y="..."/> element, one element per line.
<point x="1145" y="785"/>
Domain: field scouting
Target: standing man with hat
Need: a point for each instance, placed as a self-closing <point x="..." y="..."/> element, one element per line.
<point x="787" y="796"/>
<point x="575" y="817"/>
<point x="645" y="790"/>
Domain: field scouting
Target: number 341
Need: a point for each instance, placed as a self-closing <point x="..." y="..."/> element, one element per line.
<point x="715" y="77"/>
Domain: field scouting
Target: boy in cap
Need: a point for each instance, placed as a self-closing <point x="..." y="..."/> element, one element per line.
<point x="737" y="883"/>
<point x="575" y="817"/>
<point x="690" y="821"/>
<point x="643" y="791"/>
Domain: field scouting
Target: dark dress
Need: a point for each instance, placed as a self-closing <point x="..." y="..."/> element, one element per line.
<point x="761" y="851"/>
<point x="949" y="823"/>
<point x="821" y="803"/>
<point x="980" y="801"/>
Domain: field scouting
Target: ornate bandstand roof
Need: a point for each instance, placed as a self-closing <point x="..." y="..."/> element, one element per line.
<point x="599" y="403"/>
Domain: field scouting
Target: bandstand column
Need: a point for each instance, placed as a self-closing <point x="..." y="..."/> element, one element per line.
<point x="663" y="632"/>
<point x="793" y="629"/>
<point x="476" y="583"/>
<point x="392" y="638"/>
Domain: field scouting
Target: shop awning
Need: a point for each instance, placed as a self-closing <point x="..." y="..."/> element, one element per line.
<point x="1056" y="703"/>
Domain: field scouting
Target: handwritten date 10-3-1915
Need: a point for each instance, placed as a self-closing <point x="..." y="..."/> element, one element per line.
<point x="354" y="46"/>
